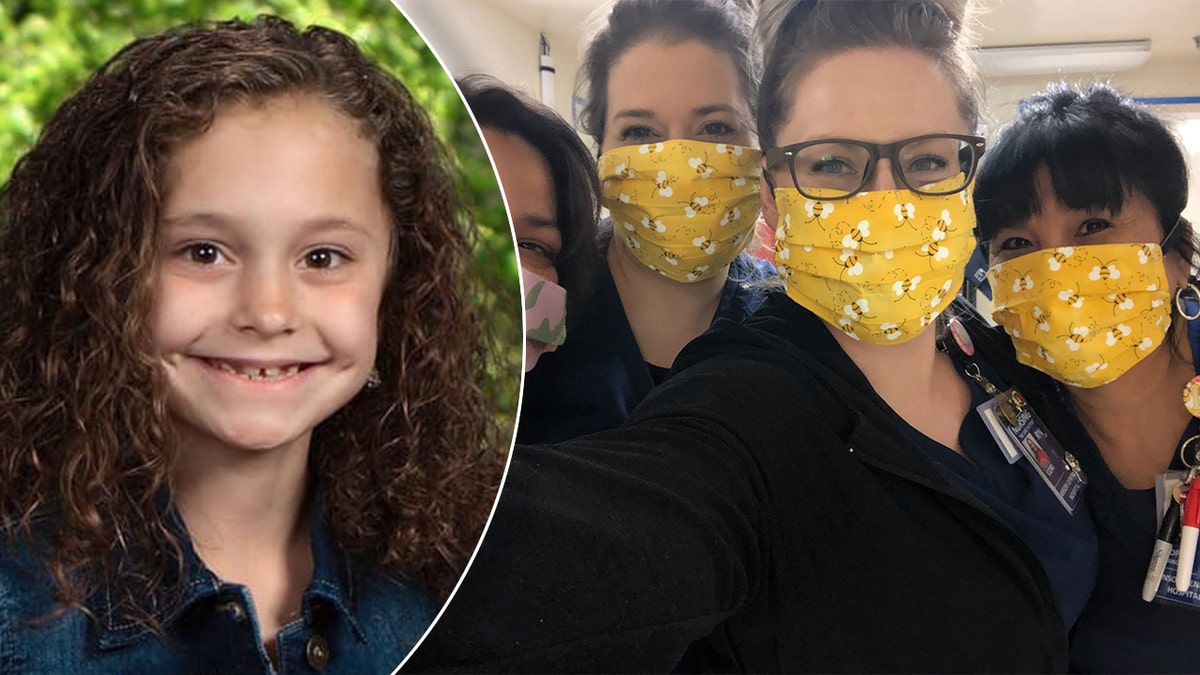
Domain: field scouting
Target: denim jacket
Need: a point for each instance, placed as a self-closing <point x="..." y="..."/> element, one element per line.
<point x="354" y="619"/>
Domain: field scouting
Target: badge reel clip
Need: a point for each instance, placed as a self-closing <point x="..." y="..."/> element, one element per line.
<point x="1018" y="430"/>
<point x="1182" y="521"/>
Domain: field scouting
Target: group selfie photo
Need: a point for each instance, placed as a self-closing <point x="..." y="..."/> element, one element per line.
<point x="606" y="336"/>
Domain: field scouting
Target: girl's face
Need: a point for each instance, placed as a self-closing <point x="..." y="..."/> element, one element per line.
<point x="878" y="95"/>
<point x="659" y="91"/>
<point x="529" y="194"/>
<point x="273" y="252"/>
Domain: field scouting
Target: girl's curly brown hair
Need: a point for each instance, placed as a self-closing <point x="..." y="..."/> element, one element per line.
<point x="408" y="469"/>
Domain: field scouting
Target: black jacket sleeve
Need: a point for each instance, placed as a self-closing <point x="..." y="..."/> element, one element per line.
<point x="615" y="551"/>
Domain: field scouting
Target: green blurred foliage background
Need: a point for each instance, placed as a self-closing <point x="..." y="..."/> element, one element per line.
<point x="49" y="47"/>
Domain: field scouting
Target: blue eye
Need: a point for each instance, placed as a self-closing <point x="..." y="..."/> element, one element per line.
<point x="636" y="132"/>
<point x="928" y="164"/>
<point x="717" y="129"/>
<point x="832" y="165"/>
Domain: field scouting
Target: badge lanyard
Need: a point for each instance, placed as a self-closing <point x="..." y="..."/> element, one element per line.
<point x="1017" y="429"/>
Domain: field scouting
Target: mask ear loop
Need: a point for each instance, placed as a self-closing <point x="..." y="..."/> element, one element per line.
<point x="1188" y="292"/>
<point x="1169" y="240"/>
<point x="766" y="176"/>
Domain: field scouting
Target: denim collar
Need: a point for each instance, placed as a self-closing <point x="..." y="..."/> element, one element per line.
<point x="332" y="586"/>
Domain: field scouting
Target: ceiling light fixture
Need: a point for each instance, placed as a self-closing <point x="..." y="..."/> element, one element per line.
<point x="1074" y="57"/>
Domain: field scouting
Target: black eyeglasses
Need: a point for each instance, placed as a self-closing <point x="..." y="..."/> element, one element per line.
<point x="937" y="164"/>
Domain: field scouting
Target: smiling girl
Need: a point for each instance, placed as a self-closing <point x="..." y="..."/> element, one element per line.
<point x="232" y="441"/>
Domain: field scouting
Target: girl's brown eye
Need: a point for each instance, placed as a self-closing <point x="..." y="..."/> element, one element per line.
<point x="323" y="258"/>
<point x="320" y="259"/>
<point x="204" y="254"/>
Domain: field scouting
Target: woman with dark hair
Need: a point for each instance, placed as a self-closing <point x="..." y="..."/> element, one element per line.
<point x="551" y="190"/>
<point x="808" y="493"/>
<point x="1080" y="208"/>
<point x="221" y="453"/>
<point x="670" y="92"/>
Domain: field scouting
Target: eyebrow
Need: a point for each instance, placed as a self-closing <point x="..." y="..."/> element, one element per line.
<point x="638" y="113"/>
<point x="537" y="221"/>
<point x="220" y="220"/>
<point x="714" y="108"/>
<point x="826" y="136"/>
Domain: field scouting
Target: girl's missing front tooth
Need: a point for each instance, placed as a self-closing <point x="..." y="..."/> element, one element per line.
<point x="233" y="441"/>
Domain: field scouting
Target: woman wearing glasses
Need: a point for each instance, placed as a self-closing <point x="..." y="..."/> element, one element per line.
<point x="813" y="489"/>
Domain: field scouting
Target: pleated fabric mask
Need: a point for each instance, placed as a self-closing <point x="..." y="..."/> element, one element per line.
<point x="880" y="266"/>
<point x="685" y="208"/>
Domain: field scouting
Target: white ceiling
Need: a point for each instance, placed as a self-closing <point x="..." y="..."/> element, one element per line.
<point x="1169" y="24"/>
<point x="562" y="17"/>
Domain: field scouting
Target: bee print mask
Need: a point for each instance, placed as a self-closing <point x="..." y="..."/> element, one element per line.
<point x="685" y="208"/>
<point x="1083" y="315"/>
<point x="878" y="266"/>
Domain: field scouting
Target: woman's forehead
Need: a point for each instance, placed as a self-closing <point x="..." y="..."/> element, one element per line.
<point x="878" y="94"/>
<point x="673" y="78"/>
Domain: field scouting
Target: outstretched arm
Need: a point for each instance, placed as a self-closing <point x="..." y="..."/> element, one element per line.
<point x="616" y="551"/>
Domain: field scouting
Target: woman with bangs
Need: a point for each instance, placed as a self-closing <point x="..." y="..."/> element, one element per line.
<point x="807" y="493"/>
<point x="1093" y="273"/>
<point x="670" y="89"/>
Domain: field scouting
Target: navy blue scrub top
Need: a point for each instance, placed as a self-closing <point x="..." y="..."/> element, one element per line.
<point x="1119" y="632"/>
<point x="598" y="375"/>
<point x="1064" y="543"/>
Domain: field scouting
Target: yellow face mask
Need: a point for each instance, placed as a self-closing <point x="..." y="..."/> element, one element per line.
<point x="686" y="208"/>
<point x="879" y="266"/>
<point x="1083" y="315"/>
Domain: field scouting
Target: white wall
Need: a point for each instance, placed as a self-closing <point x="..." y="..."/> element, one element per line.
<point x="478" y="36"/>
<point x="1187" y="126"/>
<point x="1158" y="78"/>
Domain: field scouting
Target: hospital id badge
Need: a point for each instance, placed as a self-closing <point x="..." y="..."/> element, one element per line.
<point x="995" y="422"/>
<point x="1165" y="487"/>
<point x="1021" y="433"/>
